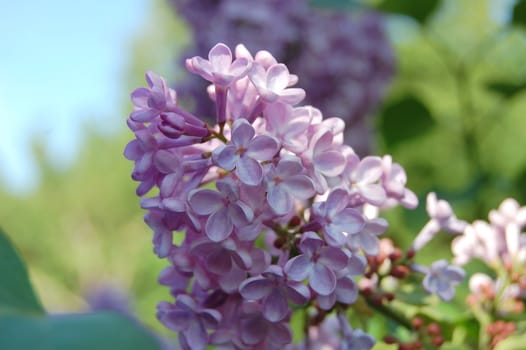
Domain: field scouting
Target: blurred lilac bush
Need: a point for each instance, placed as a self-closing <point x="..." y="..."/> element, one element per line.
<point x="345" y="60"/>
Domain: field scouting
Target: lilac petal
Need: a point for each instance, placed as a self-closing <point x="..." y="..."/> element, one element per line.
<point x="219" y="226"/>
<point x="369" y="243"/>
<point x="133" y="150"/>
<point x="346" y="290"/>
<point x="210" y="318"/>
<point x="255" y="288"/>
<point x="326" y="302"/>
<point x="373" y="194"/>
<point x="322" y="280"/>
<point x="280" y="334"/>
<point x="310" y="243"/>
<point x="257" y="76"/>
<point x="292" y="96"/>
<point x="262" y="147"/>
<point x="298" y="268"/>
<point x="196" y="335"/>
<point x="242" y="258"/>
<point x="289" y="166"/>
<point x="140" y="97"/>
<point x="337" y="201"/>
<point x="177" y="319"/>
<point x="242" y="133"/>
<point x="205" y="201"/>
<point x="350" y="221"/>
<point x="249" y="171"/>
<point x="231" y="281"/>
<point x="276" y="307"/>
<point x="297" y="292"/>
<point x="169" y="183"/>
<point x="279" y="200"/>
<point x="219" y="262"/>
<point x="369" y="170"/>
<point x="240" y="213"/>
<point x="220" y="57"/>
<point x="143" y="115"/>
<point x="253" y="330"/>
<point x="225" y="157"/>
<point x="330" y="163"/>
<point x="300" y="186"/>
<point x="239" y="67"/>
<point x="277" y="77"/>
<point x="334" y="258"/>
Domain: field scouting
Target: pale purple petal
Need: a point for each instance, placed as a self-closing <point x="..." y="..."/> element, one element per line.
<point x="220" y="57"/>
<point x="326" y="302"/>
<point x="330" y="163"/>
<point x="297" y="292"/>
<point x="205" y="201"/>
<point x="292" y="95"/>
<point x="279" y="200"/>
<point x="280" y="334"/>
<point x="262" y="147"/>
<point x="249" y="171"/>
<point x="255" y="288"/>
<point x="242" y="133"/>
<point x="374" y="194"/>
<point x="219" y="262"/>
<point x="369" y="170"/>
<point x="277" y="77"/>
<point x="225" y="157"/>
<point x="322" y="280"/>
<point x="219" y="225"/>
<point x="253" y="330"/>
<point x="346" y="290"/>
<point x="298" y="268"/>
<point x="300" y="186"/>
<point x="196" y="335"/>
<point x="240" y="214"/>
<point x="276" y="307"/>
<point x="334" y="258"/>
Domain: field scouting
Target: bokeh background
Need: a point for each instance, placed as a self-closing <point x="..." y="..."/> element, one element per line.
<point x="452" y="112"/>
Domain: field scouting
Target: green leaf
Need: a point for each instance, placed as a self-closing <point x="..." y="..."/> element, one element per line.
<point x="515" y="342"/>
<point x="506" y="90"/>
<point x="518" y="17"/>
<point x="16" y="293"/>
<point x="405" y="119"/>
<point x="101" y="331"/>
<point x="420" y="10"/>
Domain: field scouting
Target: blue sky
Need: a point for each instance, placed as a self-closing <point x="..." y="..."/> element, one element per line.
<point x="61" y="64"/>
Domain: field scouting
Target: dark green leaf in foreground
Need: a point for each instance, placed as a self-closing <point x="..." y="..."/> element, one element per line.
<point x="506" y="90"/>
<point x="16" y="293"/>
<point x="420" y="10"/>
<point x="101" y="331"/>
<point x="519" y="13"/>
<point x="404" y="119"/>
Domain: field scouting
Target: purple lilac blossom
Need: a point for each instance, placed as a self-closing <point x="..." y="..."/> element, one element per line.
<point x="441" y="278"/>
<point x="268" y="169"/>
<point x="350" y="83"/>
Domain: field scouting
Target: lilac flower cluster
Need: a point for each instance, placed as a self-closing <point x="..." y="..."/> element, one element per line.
<point x="352" y="79"/>
<point x="269" y="199"/>
<point x="501" y="245"/>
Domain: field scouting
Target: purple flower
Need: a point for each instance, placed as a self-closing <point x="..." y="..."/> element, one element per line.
<point x="244" y="153"/>
<point x="394" y="180"/>
<point x="323" y="158"/>
<point x="256" y="329"/>
<point x="272" y="84"/>
<point x="336" y="220"/>
<point x="152" y="101"/>
<point x="441" y="279"/>
<point x="285" y="182"/>
<point x="318" y="264"/>
<point x="224" y="209"/>
<point x="274" y="290"/>
<point x="364" y="178"/>
<point x="367" y="238"/>
<point x="190" y="320"/>
<point x="219" y="68"/>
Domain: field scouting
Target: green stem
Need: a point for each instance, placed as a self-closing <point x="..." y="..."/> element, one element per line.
<point x="388" y="312"/>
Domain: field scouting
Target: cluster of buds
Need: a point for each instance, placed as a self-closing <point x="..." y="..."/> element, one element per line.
<point x="273" y="208"/>
<point x="350" y="84"/>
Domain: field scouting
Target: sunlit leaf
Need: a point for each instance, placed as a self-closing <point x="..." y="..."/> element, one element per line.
<point x="16" y="293"/>
<point x="405" y="119"/>
<point x="515" y="342"/>
<point x="420" y="10"/>
<point x="101" y="331"/>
